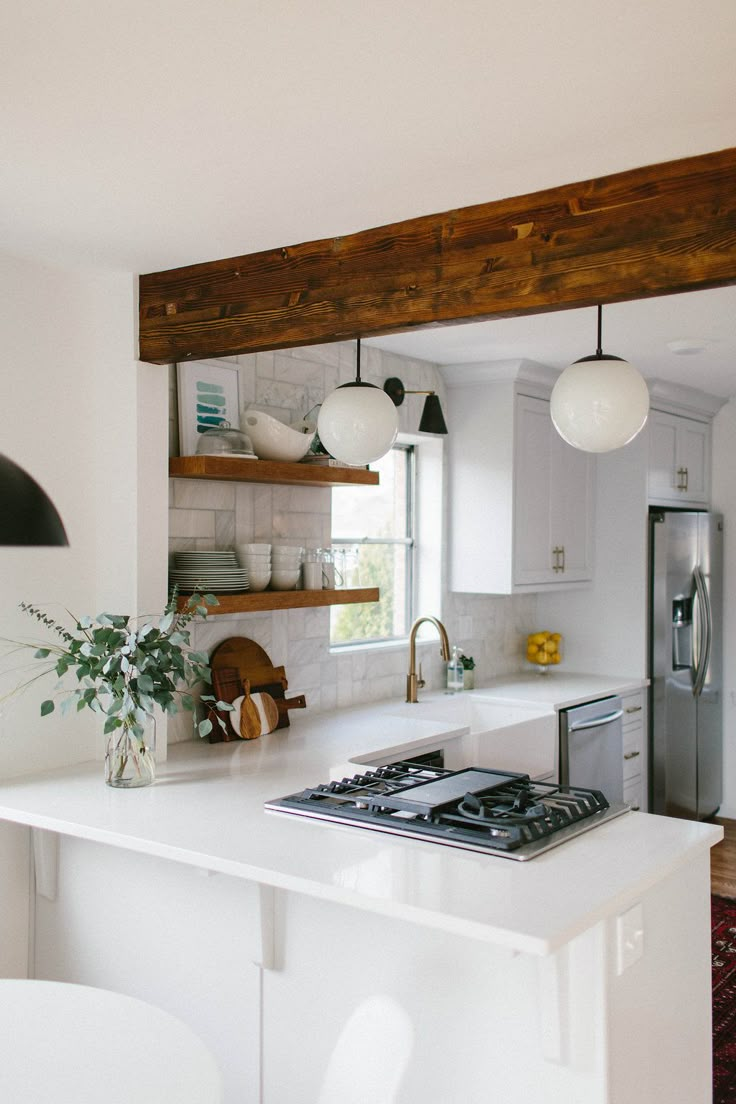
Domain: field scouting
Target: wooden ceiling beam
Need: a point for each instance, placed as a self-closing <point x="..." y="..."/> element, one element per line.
<point x="650" y="231"/>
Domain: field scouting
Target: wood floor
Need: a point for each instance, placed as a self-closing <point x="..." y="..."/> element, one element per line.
<point x="723" y="861"/>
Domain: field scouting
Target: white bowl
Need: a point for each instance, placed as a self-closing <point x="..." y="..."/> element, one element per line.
<point x="286" y="557"/>
<point x="259" y="580"/>
<point x="255" y="557"/>
<point x="280" y="546"/>
<point x="253" y="548"/>
<point x="271" y="439"/>
<point x="284" y="580"/>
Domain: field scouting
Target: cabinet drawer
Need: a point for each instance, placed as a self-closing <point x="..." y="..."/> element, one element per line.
<point x="633" y="759"/>
<point x="633" y="706"/>
<point x="634" y="792"/>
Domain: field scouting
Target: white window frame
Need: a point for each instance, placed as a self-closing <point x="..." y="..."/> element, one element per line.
<point x="428" y="492"/>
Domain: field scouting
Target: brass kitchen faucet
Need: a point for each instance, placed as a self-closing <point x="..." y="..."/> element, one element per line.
<point x="414" y="681"/>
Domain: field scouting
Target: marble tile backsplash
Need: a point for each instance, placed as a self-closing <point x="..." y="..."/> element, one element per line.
<point x="207" y="514"/>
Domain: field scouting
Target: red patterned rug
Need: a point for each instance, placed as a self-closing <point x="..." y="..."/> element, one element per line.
<point x="723" y="926"/>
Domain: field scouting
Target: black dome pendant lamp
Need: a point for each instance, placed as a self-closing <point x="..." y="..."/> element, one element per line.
<point x="27" y="514"/>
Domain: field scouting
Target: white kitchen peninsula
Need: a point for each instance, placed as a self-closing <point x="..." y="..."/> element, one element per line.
<point x="323" y="963"/>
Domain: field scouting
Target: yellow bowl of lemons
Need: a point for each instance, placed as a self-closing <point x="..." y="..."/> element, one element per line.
<point x="543" y="649"/>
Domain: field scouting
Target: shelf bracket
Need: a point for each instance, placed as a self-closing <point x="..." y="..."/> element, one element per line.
<point x="553" y="1003"/>
<point x="265" y="952"/>
<point x="46" y="862"/>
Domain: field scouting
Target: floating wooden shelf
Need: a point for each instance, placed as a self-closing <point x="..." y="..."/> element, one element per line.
<point x="267" y="471"/>
<point x="286" y="599"/>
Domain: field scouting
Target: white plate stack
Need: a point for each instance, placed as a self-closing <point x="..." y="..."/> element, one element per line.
<point x="208" y="572"/>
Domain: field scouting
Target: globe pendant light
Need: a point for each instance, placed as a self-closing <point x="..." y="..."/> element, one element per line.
<point x="599" y="403"/>
<point x="357" y="422"/>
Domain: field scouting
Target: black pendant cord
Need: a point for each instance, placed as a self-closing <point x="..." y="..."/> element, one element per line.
<point x="599" y="350"/>
<point x="357" y="366"/>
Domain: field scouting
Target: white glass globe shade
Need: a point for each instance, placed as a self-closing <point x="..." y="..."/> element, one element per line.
<point x="357" y="423"/>
<point x="599" y="404"/>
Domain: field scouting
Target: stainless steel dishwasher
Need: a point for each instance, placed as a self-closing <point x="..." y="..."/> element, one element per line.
<point x="591" y="747"/>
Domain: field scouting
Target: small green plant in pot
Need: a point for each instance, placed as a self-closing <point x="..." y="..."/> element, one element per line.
<point x="468" y="664"/>
<point x="124" y="669"/>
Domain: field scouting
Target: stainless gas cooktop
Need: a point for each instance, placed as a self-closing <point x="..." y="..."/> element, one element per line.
<point x="499" y="812"/>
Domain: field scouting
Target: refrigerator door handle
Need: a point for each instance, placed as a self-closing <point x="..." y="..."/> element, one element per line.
<point x="597" y="722"/>
<point x="705" y="633"/>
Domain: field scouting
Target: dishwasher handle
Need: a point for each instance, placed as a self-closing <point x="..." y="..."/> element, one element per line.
<point x="597" y="722"/>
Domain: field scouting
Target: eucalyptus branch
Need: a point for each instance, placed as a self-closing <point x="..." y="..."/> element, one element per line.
<point x="23" y="686"/>
<point x="124" y="667"/>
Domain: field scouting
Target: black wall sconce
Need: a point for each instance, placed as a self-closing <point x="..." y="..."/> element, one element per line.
<point x="432" y="420"/>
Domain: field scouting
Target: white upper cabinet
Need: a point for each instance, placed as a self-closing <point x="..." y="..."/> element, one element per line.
<point x="521" y="499"/>
<point x="679" y="429"/>
<point x="679" y="460"/>
<point x="553" y="501"/>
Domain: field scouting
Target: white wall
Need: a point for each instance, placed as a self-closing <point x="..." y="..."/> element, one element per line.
<point x="724" y="501"/>
<point x="70" y="391"/>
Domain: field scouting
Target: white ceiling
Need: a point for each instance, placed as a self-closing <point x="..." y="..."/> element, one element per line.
<point x="144" y="135"/>
<point x="702" y="322"/>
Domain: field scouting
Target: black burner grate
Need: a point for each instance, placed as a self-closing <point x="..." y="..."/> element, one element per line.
<point x="497" y="810"/>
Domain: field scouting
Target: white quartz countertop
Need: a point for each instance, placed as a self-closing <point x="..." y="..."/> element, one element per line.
<point x="206" y="810"/>
<point x="560" y="689"/>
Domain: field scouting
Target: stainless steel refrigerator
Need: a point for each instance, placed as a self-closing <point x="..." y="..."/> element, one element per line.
<point x="686" y="560"/>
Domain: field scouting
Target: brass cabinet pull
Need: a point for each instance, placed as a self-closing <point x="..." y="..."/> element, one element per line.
<point x="558" y="551"/>
<point x="631" y="754"/>
<point x="633" y="709"/>
<point x="562" y="550"/>
<point x="682" y="475"/>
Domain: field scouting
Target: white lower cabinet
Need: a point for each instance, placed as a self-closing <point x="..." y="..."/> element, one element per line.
<point x="635" y="750"/>
<point x="521" y="499"/>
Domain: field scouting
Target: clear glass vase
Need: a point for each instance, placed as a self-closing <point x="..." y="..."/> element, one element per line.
<point x="129" y="755"/>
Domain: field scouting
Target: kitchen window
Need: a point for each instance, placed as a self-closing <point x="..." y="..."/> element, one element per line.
<point x="373" y="537"/>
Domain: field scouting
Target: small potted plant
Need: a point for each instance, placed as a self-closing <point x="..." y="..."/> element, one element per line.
<point x="125" y="669"/>
<point x="468" y="672"/>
